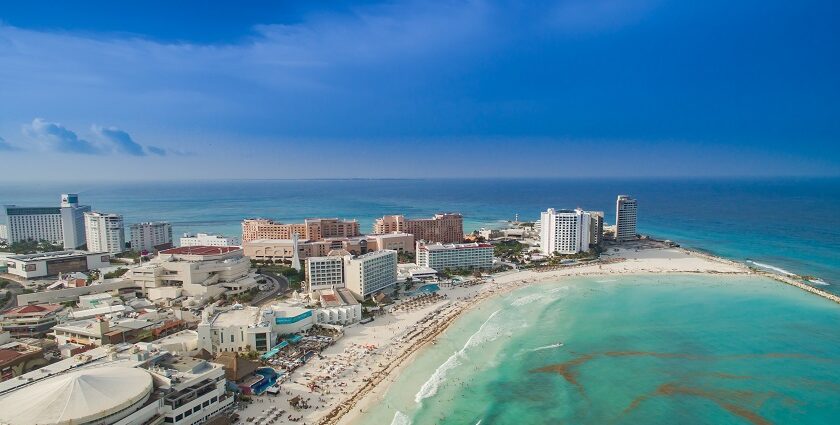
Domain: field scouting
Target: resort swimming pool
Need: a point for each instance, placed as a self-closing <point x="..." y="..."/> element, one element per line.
<point x="269" y="377"/>
<point x="425" y="289"/>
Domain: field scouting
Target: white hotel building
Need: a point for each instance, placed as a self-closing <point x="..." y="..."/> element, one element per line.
<point x="371" y="273"/>
<point x="449" y="256"/>
<point x="204" y="239"/>
<point x="564" y="231"/>
<point x="151" y="236"/>
<point x="60" y="225"/>
<point x="104" y="232"/>
<point x="326" y="272"/>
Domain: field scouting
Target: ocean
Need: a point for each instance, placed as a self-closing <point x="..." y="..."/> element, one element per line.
<point x="678" y="349"/>
<point x="791" y="224"/>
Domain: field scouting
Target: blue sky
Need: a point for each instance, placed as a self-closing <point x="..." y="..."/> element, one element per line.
<point x="169" y="90"/>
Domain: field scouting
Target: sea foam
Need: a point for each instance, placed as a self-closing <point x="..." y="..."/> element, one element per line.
<point x="485" y="333"/>
<point x="401" y="418"/>
<point x="771" y="267"/>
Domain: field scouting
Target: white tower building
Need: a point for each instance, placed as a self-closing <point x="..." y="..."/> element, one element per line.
<point x="104" y="232"/>
<point x="564" y="231"/>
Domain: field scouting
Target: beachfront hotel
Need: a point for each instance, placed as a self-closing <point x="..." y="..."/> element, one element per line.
<point x="370" y="273"/>
<point x="283" y="249"/>
<point x="565" y="231"/>
<point x="204" y="239"/>
<point x="443" y="227"/>
<point x="59" y="225"/>
<point x="326" y="272"/>
<point x="362" y="275"/>
<point x="104" y="232"/>
<point x="151" y="236"/>
<point x="118" y="384"/>
<point x="625" y="218"/>
<point x="313" y="229"/>
<point x="450" y="256"/>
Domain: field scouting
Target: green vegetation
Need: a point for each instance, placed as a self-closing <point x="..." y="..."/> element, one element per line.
<point x="248" y="295"/>
<point x="557" y="258"/>
<point x="404" y="257"/>
<point x="116" y="273"/>
<point x="32" y="247"/>
<point x="508" y="250"/>
<point x="460" y="271"/>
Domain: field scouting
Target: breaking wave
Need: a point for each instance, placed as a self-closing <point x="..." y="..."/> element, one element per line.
<point x="485" y="333"/>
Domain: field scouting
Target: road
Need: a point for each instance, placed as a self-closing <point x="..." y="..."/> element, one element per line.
<point x="279" y="284"/>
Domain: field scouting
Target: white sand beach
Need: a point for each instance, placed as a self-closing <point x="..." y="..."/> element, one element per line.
<point x="355" y="372"/>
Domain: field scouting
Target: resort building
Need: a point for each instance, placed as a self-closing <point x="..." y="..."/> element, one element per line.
<point x="443" y="227"/>
<point x="30" y="321"/>
<point x="62" y="225"/>
<point x="313" y="229"/>
<point x="283" y="249"/>
<point x="244" y="329"/>
<point x="121" y="385"/>
<point x="338" y="307"/>
<point x="371" y="273"/>
<point x="450" y="256"/>
<point x="564" y="231"/>
<point x="596" y="228"/>
<point x="200" y="272"/>
<point x="31" y="266"/>
<point x="151" y="236"/>
<point x="204" y="239"/>
<point x="326" y="272"/>
<point x="625" y="218"/>
<point x="104" y="232"/>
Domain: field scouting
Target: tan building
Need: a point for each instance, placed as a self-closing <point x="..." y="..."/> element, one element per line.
<point x="443" y="228"/>
<point x="194" y="271"/>
<point x="282" y="249"/>
<point x="313" y="229"/>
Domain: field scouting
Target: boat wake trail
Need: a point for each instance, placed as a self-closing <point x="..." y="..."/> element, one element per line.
<point x="485" y="333"/>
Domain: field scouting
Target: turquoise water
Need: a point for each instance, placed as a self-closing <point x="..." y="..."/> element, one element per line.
<point x="630" y="350"/>
<point x="789" y="223"/>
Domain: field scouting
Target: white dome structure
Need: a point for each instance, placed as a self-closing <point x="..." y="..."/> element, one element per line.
<point x="88" y="396"/>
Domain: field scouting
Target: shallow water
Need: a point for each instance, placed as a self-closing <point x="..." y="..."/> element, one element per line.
<point x="652" y="350"/>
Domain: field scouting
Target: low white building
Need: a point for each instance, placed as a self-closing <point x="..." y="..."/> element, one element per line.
<point x="244" y="329"/>
<point x="338" y="307"/>
<point x="31" y="266"/>
<point x="450" y="256"/>
<point x="204" y="239"/>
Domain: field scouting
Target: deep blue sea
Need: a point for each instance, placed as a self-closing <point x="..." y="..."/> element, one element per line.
<point x="793" y="224"/>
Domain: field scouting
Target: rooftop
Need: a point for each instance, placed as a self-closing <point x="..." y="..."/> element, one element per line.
<point x="35" y="309"/>
<point x="52" y="255"/>
<point x="440" y="246"/>
<point x="201" y="250"/>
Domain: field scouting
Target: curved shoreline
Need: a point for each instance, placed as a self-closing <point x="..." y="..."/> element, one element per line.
<point x="358" y="403"/>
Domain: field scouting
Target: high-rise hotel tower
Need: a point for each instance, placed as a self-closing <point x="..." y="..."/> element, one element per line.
<point x="625" y="218"/>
